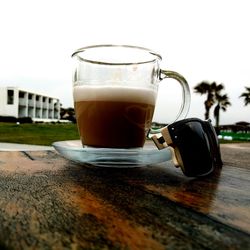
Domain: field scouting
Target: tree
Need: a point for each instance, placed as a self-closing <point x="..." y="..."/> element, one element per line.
<point x="246" y="96"/>
<point x="210" y="89"/>
<point x="213" y="91"/>
<point x="68" y="114"/>
<point x="222" y="103"/>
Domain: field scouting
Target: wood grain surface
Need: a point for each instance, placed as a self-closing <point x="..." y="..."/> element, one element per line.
<point x="48" y="202"/>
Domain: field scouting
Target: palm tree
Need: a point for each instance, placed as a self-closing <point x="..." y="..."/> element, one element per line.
<point x="205" y="88"/>
<point x="222" y="103"/>
<point x="246" y="96"/>
<point x="210" y="89"/>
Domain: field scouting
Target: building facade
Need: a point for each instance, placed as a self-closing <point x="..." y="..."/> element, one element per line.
<point x="21" y="103"/>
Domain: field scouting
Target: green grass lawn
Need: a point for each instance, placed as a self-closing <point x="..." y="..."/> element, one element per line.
<point x="46" y="134"/>
<point x="237" y="137"/>
<point x="39" y="134"/>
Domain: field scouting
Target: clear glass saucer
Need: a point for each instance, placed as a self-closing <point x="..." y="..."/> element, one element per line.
<point x="110" y="157"/>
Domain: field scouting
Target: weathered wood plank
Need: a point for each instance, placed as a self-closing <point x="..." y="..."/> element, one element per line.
<point x="47" y="202"/>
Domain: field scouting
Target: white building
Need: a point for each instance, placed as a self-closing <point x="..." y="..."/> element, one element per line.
<point x="21" y="103"/>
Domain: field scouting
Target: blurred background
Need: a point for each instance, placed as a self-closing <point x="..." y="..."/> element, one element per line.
<point x="203" y="40"/>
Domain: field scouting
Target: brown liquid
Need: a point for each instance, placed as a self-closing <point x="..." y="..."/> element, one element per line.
<point x="113" y="124"/>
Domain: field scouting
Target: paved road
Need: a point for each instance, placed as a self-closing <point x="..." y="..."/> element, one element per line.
<point x="239" y="155"/>
<point x="22" y="147"/>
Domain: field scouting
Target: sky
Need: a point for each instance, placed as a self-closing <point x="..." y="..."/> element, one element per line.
<point x="202" y="40"/>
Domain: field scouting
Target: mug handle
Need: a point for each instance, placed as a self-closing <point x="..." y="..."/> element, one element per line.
<point x="186" y="97"/>
<point x="185" y="91"/>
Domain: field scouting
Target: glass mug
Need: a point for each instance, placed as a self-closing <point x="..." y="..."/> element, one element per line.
<point x="115" y="90"/>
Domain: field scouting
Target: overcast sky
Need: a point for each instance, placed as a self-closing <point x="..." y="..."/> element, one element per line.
<point x="202" y="40"/>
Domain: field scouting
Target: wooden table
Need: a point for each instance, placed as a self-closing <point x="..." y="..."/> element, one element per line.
<point x="47" y="202"/>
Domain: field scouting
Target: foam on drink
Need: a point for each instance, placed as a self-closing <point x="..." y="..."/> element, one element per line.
<point x="114" y="93"/>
